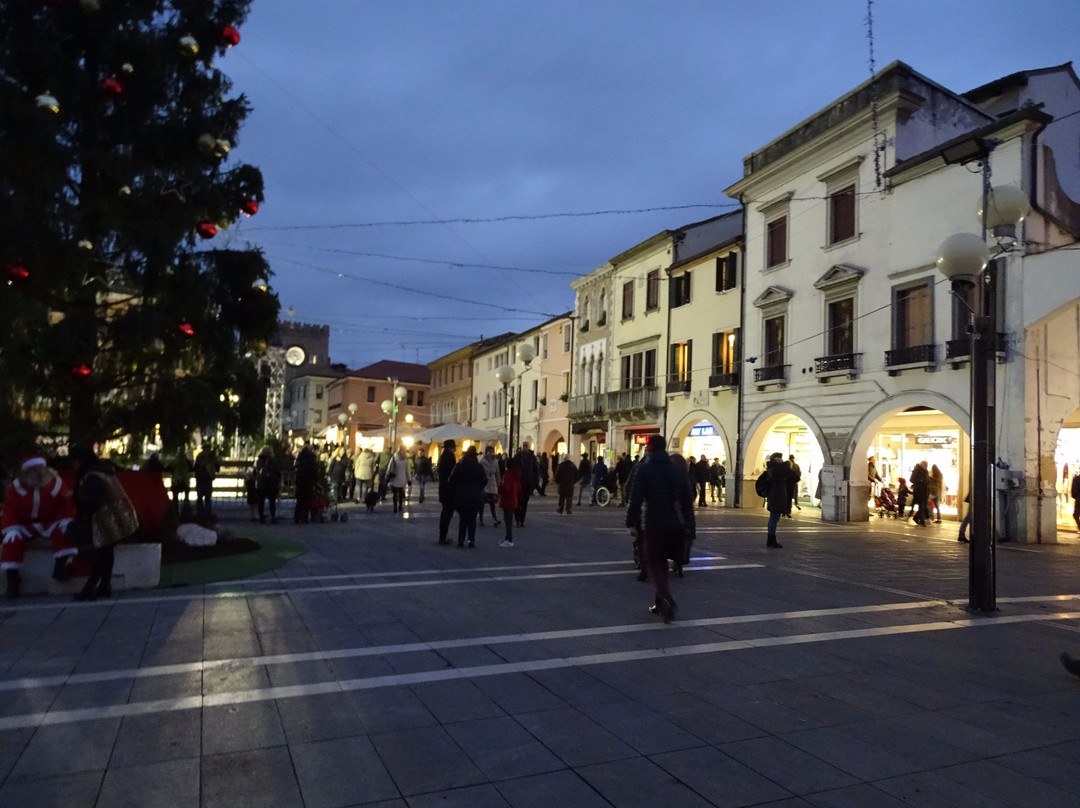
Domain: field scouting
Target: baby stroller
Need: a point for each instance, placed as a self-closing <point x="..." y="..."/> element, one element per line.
<point x="886" y="503"/>
<point x="335" y="512"/>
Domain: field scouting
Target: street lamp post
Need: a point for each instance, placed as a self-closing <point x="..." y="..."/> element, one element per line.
<point x="506" y="374"/>
<point x="390" y="407"/>
<point x="965" y="260"/>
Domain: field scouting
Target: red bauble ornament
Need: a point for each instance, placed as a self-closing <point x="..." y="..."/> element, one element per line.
<point x="206" y="229"/>
<point x="112" y="87"/>
<point x="81" y="370"/>
<point x="187" y="329"/>
<point x="249" y="207"/>
<point x="230" y="36"/>
<point x="16" y="273"/>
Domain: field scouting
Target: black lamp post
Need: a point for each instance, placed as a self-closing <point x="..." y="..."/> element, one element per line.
<point x="965" y="259"/>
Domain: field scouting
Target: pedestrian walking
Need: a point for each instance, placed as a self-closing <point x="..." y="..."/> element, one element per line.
<point x="467" y="483"/>
<point x="920" y="492"/>
<point x="936" y="491"/>
<point x="545" y="473"/>
<point x="423" y="470"/>
<point x="267" y="483"/>
<point x="364" y="470"/>
<point x="530" y="476"/>
<point x="794" y="475"/>
<point x="778" y="500"/>
<point x="490" y="464"/>
<point x="305" y="478"/>
<point x="398" y="478"/>
<point x="701" y="479"/>
<point x="622" y="476"/>
<point x="716" y="477"/>
<point x="660" y="512"/>
<point x="509" y="492"/>
<point x="566" y="477"/>
<point x="444" y="468"/>
<point x="584" y="476"/>
<point x="206" y="470"/>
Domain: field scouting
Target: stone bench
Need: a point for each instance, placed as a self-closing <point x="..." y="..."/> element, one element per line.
<point x="138" y="566"/>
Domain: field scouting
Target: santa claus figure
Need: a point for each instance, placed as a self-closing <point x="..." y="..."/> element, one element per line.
<point x="38" y="503"/>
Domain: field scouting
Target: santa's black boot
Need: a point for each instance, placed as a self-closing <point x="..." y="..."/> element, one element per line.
<point x="14" y="583"/>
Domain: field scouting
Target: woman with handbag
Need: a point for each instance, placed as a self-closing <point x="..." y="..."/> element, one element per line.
<point x="398" y="478"/>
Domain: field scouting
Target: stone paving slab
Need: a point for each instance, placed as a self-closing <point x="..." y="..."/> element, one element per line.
<point x="759" y="702"/>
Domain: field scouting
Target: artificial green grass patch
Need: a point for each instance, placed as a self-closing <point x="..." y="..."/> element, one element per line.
<point x="272" y="552"/>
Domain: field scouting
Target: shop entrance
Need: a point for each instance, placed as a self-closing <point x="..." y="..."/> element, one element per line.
<point x="703" y="439"/>
<point x="1066" y="466"/>
<point x="790" y="435"/>
<point x="911" y="436"/>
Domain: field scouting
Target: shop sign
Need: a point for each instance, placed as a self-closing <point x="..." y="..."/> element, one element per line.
<point x="934" y="440"/>
<point x="642" y="438"/>
<point x="703" y="431"/>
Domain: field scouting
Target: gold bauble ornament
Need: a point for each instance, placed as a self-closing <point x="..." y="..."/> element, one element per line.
<point x="206" y="143"/>
<point x="189" y="45"/>
<point x="47" y="101"/>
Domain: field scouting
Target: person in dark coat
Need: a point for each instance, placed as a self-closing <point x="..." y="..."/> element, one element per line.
<point x="306" y="475"/>
<point x="545" y="473"/>
<point x="206" y="469"/>
<point x="467" y="483"/>
<point x="778" y="499"/>
<point x="660" y="512"/>
<point x="794" y="475"/>
<point x="267" y="483"/>
<point x="584" y="474"/>
<point x="566" y="476"/>
<point x="443" y="470"/>
<point x="622" y="474"/>
<point x="530" y="478"/>
<point x="920" y="493"/>
<point x="701" y="477"/>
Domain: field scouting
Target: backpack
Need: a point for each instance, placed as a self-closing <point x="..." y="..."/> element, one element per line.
<point x="761" y="485"/>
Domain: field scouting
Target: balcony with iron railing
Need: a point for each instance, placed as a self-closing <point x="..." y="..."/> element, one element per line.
<point x="914" y="356"/>
<point x="771" y="373"/>
<point x="724" y="380"/>
<point x="828" y="367"/>
<point x="678" y="386"/>
<point x="634" y="399"/>
<point x="586" y="406"/>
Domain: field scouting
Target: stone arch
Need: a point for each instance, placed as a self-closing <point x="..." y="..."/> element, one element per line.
<point x="767" y="418"/>
<point x="692" y="417"/>
<point x="873" y="419"/>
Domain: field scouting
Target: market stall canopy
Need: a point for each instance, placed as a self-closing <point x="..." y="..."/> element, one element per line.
<point x="437" y="434"/>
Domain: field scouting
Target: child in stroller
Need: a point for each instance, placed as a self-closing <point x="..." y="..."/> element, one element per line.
<point x="886" y="502"/>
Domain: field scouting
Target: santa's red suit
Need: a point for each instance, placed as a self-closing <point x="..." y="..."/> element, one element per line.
<point x="30" y="512"/>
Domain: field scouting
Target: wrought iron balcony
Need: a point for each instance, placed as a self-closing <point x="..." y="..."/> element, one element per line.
<point x="837" y="363"/>
<point x="724" y="380"/>
<point x="771" y="373"/>
<point x="678" y="386"/>
<point x="914" y="355"/>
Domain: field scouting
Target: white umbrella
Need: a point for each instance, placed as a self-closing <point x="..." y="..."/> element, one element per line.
<point x="438" y="434"/>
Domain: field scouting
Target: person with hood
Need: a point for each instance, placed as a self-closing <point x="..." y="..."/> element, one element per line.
<point x="104" y="514"/>
<point x="778" y="496"/>
<point x="398" y="477"/>
<point x="467" y="483"/>
<point x="37" y="503"/>
<point x="661" y="515"/>
<point x="566" y="477"/>
<point x="490" y="464"/>
<point x="509" y="492"/>
<point x="306" y="475"/>
<point x="444" y="470"/>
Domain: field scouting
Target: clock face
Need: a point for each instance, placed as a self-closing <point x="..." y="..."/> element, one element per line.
<point x="294" y="355"/>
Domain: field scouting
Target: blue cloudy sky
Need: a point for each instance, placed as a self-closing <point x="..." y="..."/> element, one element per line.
<point x="371" y="113"/>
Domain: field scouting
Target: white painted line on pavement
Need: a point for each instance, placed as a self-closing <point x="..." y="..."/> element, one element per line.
<point x="436" y="645"/>
<point x="54" y="717"/>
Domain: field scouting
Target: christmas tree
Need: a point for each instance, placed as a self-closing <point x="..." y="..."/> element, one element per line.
<point x="119" y="313"/>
